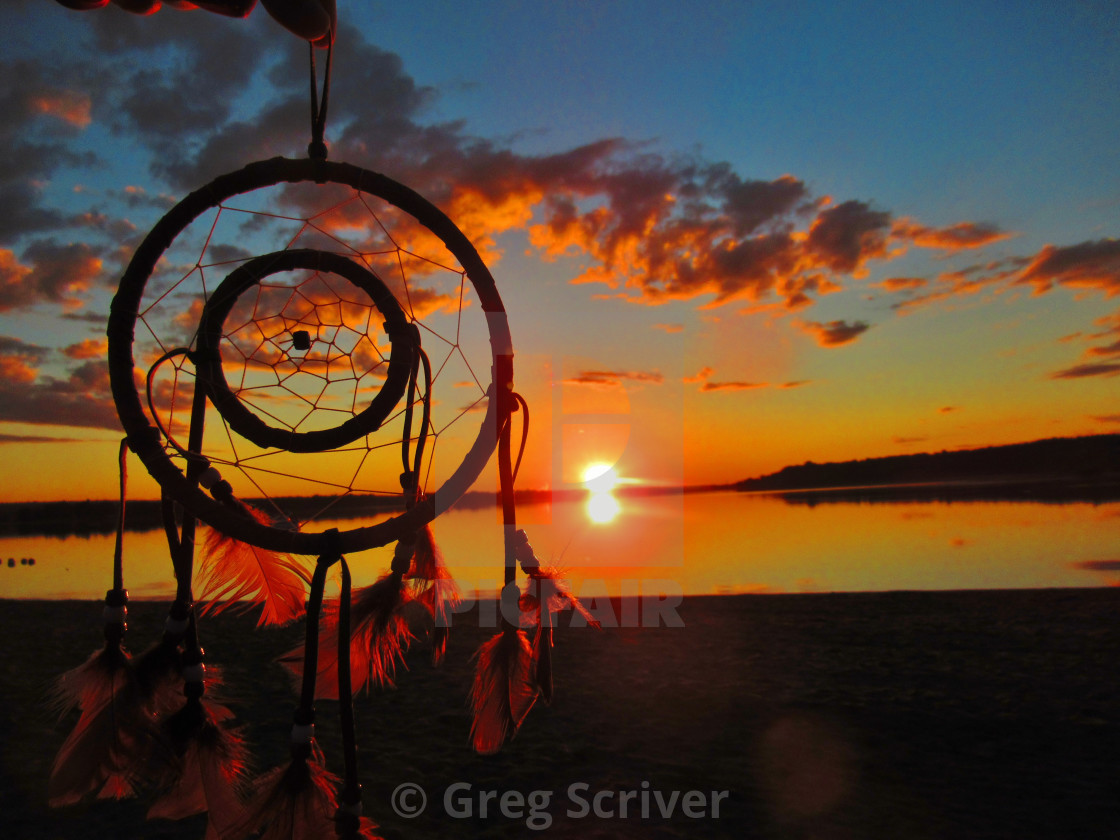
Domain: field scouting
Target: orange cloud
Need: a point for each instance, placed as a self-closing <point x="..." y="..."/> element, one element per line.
<point x="960" y="236"/>
<point x="701" y="375"/>
<point x="57" y="274"/>
<point x="67" y="105"/>
<point x="834" y="333"/>
<point x="1088" y="265"/>
<point x="612" y="378"/>
<point x="1082" y="371"/>
<point x="90" y="348"/>
<point x="19" y="361"/>
<point x="709" y="387"/>
<point x="901" y="284"/>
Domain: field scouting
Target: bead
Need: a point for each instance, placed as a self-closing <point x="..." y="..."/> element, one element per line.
<point x="114" y="615"/>
<point x="210" y="476"/>
<point x="511" y="599"/>
<point x="302" y="734"/>
<point x="175" y="626"/>
<point x="194" y="673"/>
<point x="354" y="809"/>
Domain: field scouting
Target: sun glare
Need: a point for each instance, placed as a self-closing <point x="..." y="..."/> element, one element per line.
<point x="599" y="477"/>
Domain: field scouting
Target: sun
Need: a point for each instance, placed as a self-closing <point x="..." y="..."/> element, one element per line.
<point x="599" y="477"/>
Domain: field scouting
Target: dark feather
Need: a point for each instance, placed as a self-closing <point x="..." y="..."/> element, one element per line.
<point x="379" y="639"/>
<point x="433" y="588"/>
<point x="159" y="678"/>
<point x="90" y="684"/>
<point x="210" y="773"/>
<point x="504" y="690"/>
<point x="548" y="583"/>
<point x="108" y="750"/>
<point x="542" y="657"/>
<point x="294" y="802"/>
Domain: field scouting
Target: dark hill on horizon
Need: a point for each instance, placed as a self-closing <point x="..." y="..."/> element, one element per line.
<point x="1091" y="459"/>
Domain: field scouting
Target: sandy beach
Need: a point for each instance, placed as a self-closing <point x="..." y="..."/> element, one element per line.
<point x="896" y="715"/>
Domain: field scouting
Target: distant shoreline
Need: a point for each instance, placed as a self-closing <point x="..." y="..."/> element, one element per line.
<point x="88" y="518"/>
<point x="1056" y="470"/>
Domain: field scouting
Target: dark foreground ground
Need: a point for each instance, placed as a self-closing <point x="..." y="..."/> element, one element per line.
<point x="899" y="715"/>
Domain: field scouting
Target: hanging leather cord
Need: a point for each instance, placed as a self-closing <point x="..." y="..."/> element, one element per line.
<point x="505" y="485"/>
<point x="524" y="408"/>
<point x="351" y="800"/>
<point x="317" y="148"/>
<point x="118" y="550"/>
<point x="413" y="461"/>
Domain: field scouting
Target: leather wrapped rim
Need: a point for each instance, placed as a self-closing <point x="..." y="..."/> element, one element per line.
<point x="144" y="438"/>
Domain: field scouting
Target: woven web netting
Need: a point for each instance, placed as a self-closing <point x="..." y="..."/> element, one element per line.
<point x="306" y="349"/>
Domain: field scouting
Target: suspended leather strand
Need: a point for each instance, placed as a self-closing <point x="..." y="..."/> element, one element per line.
<point x="317" y="148"/>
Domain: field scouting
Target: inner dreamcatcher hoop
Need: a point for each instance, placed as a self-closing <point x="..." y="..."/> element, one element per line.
<point x="208" y="355"/>
<point x="295" y="284"/>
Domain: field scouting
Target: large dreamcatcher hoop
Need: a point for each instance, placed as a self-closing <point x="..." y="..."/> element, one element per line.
<point x="318" y="349"/>
<point x="144" y="431"/>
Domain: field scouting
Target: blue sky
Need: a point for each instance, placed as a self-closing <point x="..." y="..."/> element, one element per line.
<point x="958" y="163"/>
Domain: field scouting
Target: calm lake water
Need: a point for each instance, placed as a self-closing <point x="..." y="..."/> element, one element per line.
<point x="691" y="545"/>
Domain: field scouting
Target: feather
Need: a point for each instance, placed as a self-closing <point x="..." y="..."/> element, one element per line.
<point x="108" y="750"/>
<point x="210" y="772"/>
<point x="233" y="571"/>
<point x="379" y="638"/>
<point x="547" y="583"/>
<point x="433" y="588"/>
<point x="542" y="657"/>
<point x="91" y="683"/>
<point x="159" y="678"/>
<point x="294" y="802"/>
<point x="504" y="690"/>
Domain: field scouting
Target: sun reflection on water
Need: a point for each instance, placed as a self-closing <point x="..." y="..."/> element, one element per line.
<point x="600" y="478"/>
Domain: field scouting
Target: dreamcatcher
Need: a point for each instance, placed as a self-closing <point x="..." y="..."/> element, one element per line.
<point x="274" y="391"/>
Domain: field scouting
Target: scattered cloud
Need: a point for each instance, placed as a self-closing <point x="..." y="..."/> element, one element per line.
<point x="669" y="328"/>
<point x="20" y="360"/>
<point x="90" y="348"/>
<point x="612" y="378"/>
<point x="700" y="375"/>
<point x="1082" y="371"/>
<point x="1105" y="418"/>
<point x="708" y="387"/>
<point x="948" y="409"/>
<point x="48" y="272"/>
<point x="797" y="383"/>
<point x="4" y="438"/>
<point x="960" y="236"/>
<point x="1087" y="265"/>
<point x="834" y="333"/>
<point x="1097" y="565"/>
<point x="901" y="284"/>
<point x="83" y="399"/>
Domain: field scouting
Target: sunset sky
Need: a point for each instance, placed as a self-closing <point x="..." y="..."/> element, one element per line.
<point x="729" y="236"/>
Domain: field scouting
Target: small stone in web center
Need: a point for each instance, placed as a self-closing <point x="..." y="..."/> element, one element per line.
<point x="301" y="340"/>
